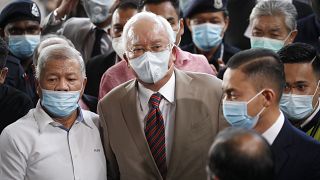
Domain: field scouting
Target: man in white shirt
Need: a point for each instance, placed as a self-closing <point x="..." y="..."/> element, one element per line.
<point x="57" y="139"/>
<point x="253" y="84"/>
<point x="161" y="124"/>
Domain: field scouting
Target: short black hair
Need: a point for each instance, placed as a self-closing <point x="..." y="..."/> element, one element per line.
<point x="127" y="4"/>
<point x="231" y="157"/>
<point x="262" y="66"/>
<point x="301" y="53"/>
<point x="175" y="4"/>
<point x="4" y="51"/>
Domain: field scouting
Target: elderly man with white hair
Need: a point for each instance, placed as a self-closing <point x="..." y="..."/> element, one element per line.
<point x="274" y="24"/>
<point x="161" y="124"/>
<point x="57" y="139"/>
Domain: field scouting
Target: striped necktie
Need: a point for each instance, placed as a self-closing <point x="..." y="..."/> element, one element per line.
<point x="155" y="134"/>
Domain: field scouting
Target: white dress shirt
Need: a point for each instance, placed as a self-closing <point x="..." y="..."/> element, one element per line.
<point x="37" y="148"/>
<point x="271" y="134"/>
<point x="167" y="107"/>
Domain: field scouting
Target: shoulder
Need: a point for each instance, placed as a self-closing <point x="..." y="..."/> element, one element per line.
<point x="188" y="47"/>
<point x="201" y="82"/>
<point x="105" y="60"/>
<point x="22" y="128"/>
<point x="117" y="93"/>
<point x="230" y="49"/>
<point x="12" y="60"/>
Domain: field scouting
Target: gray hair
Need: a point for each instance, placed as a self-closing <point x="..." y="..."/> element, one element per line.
<point x="148" y="15"/>
<point x="276" y="8"/>
<point x="48" y="40"/>
<point x="61" y="52"/>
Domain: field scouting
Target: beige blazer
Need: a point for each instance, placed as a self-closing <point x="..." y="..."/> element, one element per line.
<point x="198" y="118"/>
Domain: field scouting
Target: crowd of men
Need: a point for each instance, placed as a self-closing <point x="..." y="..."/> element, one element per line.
<point x="154" y="90"/>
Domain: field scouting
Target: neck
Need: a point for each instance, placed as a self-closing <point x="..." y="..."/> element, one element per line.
<point x="210" y="53"/>
<point x="67" y="122"/>
<point x="26" y="63"/>
<point x="267" y="119"/>
<point x="158" y="85"/>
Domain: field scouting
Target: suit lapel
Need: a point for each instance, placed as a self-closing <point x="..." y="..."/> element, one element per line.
<point x="182" y="121"/>
<point x="280" y="146"/>
<point x="129" y="108"/>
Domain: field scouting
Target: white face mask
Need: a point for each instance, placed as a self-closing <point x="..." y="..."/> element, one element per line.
<point x="151" y="67"/>
<point x="117" y="45"/>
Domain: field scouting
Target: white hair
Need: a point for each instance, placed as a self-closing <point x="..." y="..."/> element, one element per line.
<point x="276" y="8"/>
<point x="142" y="16"/>
<point x="59" y="52"/>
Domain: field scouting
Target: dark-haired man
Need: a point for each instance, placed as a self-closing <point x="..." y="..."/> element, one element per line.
<point x="253" y="84"/>
<point x="208" y="21"/>
<point x="239" y="153"/>
<point x="20" y="28"/>
<point x="13" y="103"/>
<point x="300" y="99"/>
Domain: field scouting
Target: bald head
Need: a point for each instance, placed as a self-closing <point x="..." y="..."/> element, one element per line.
<point x="145" y="28"/>
<point x="243" y="152"/>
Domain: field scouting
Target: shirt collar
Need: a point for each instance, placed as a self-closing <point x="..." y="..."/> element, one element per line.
<point x="43" y="119"/>
<point x="167" y="91"/>
<point x="271" y="133"/>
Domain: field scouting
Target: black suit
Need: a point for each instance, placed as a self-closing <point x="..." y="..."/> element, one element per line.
<point x="297" y="156"/>
<point x="309" y="31"/>
<point x="95" y="68"/>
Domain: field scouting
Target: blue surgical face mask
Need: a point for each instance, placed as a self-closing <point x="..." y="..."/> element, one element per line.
<point x="207" y="36"/>
<point x="22" y="46"/>
<point x="60" y="104"/>
<point x="297" y="107"/>
<point x="268" y="43"/>
<point x="236" y="113"/>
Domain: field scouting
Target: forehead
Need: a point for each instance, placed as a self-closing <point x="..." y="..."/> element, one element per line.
<point x="62" y="67"/>
<point x="295" y="72"/>
<point x="23" y="24"/>
<point x="235" y="79"/>
<point x="164" y="9"/>
<point x="208" y="15"/>
<point x="267" y="23"/>
<point x="122" y="15"/>
<point x="145" y="31"/>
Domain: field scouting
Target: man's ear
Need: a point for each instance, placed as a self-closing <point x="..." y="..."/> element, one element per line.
<point x="126" y="59"/>
<point x="109" y="31"/>
<point x="181" y="31"/>
<point x="38" y="88"/>
<point x="269" y="97"/>
<point x="292" y="36"/>
<point x="226" y="22"/>
<point x="84" y="83"/>
<point x="188" y="24"/>
<point x="3" y="75"/>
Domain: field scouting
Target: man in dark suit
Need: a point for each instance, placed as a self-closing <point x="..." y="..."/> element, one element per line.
<point x="14" y="104"/>
<point x="253" y="84"/>
<point x="20" y="27"/>
<point x="309" y="27"/>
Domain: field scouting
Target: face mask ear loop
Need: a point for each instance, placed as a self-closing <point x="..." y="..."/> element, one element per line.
<point x="287" y="37"/>
<point x="255" y="96"/>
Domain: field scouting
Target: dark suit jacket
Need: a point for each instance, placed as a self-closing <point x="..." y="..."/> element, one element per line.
<point x="95" y="68"/>
<point x="309" y="31"/>
<point x="297" y="156"/>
